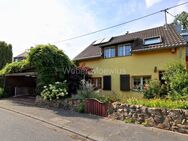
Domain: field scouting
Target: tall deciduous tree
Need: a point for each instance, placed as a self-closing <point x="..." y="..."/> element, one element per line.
<point x="183" y="19"/>
<point x="5" y="54"/>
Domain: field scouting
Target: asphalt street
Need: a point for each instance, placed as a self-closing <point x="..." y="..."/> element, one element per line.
<point x="15" y="127"/>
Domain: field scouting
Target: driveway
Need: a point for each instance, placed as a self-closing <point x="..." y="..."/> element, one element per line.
<point x="90" y="126"/>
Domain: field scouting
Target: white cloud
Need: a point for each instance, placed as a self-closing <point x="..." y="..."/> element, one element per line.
<point x="150" y="3"/>
<point x="26" y="23"/>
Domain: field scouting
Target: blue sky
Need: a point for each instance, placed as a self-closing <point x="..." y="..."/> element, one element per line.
<point x="27" y="23"/>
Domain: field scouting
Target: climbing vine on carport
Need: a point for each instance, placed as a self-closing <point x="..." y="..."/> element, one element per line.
<point x="51" y="64"/>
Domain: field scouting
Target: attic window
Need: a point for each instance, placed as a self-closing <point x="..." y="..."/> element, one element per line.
<point x="153" y="40"/>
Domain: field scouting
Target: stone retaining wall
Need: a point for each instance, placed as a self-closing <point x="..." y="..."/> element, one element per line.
<point x="67" y="104"/>
<point x="174" y="120"/>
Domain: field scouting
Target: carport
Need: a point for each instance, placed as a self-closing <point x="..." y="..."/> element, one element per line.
<point x="20" y="84"/>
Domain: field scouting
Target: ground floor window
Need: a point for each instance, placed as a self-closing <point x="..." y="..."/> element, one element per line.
<point x="96" y="82"/>
<point x="139" y="82"/>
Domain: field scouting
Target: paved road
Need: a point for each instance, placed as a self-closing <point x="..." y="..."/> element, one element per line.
<point x="14" y="127"/>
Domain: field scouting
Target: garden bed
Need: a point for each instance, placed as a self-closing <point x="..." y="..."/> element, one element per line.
<point x="169" y="119"/>
<point x="160" y="103"/>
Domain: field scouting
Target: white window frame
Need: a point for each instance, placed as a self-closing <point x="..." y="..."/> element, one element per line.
<point x="109" y="52"/>
<point x="124" y="47"/>
<point x="141" y="82"/>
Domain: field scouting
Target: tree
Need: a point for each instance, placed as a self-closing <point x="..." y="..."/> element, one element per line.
<point x="5" y="53"/>
<point x="183" y="19"/>
<point x="51" y="65"/>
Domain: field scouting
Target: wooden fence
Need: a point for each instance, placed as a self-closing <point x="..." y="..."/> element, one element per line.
<point x="96" y="107"/>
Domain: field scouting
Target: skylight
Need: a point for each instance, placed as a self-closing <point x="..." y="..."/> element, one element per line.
<point x="154" y="40"/>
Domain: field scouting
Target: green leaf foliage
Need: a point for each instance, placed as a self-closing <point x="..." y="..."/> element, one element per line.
<point x="5" y="53"/>
<point x="152" y="90"/>
<point x="15" y="67"/>
<point x="81" y="107"/>
<point x="183" y="19"/>
<point x="51" y="64"/>
<point x="176" y="78"/>
<point x="160" y="103"/>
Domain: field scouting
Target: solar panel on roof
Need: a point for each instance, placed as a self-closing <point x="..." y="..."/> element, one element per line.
<point x="98" y="41"/>
<point x="106" y="40"/>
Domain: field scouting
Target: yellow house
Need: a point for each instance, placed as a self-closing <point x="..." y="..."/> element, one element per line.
<point x="123" y="64"/>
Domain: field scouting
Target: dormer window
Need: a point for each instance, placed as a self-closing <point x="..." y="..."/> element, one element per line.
<point x="124" y="50"/>
<point x="153" y="40"/>
<point x="109" y="52"/>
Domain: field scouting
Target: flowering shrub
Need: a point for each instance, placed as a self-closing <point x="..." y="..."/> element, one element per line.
<point x="176" y="79"/>
<point x="54" y="92"/>
<point x="152" y="89"/>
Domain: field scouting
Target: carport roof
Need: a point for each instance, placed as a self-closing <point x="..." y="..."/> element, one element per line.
<point x="27" y="74"/>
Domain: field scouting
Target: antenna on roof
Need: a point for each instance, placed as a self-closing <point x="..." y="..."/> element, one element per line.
<point x="165" y="13"/>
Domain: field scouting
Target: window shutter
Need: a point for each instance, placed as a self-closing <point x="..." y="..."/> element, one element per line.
<point x="125" y="82"/>
<point x="106" y="82"/>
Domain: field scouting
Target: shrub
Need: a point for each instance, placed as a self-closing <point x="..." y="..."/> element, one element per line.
<point x="160" y="103"/>
<point x="55" y="91"/>
<point x="81" y="108"/>
<point x="129" y="120"/>
<point x="1" y="92"/>
<point x="86" y="90"/>
<point x="152" y="89"/>
<point x="75" y="75"/>
<point x="176" y="78"/>
<point x="101" y="98"/>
